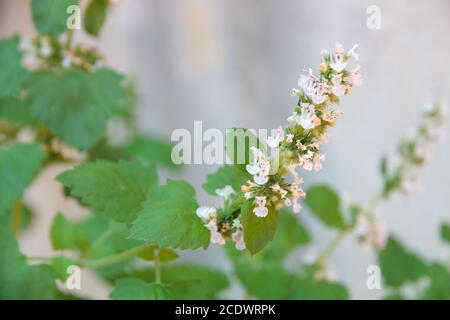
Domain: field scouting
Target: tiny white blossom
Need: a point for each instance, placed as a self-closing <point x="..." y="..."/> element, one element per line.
<point x="206" y="213"/>
<point x="226" y="192"/>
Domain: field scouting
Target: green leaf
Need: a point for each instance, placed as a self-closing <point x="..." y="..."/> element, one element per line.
<point x="439" y="287"/>
<point x="62" y="233"/>
<point x="12" y="72"/>
<point x="290" y="234"/>
<point x="445" y="232"/>
<point x="399" y="266"/>
<point x="258" y="232"/>
<point x="309" y="289"/>
<point x="324" y="203"/>
<point x="60" y="264"/>
<point x="151" y="149"/>
<point x="77" y="106"/>
<point x="18" y="280"/>
<point x="226" y="176"/>
<point x="50" y="16"/>
<point x="18" y="166"/>
<point x="14" y="110"/>
<point x="136" y="289"/>
<point x="95" y="16"/>
<point x="169" y="219"/>
<point x="211" y="281"/>
<point x="266" y="280"/>
<point x="115" y="190"/>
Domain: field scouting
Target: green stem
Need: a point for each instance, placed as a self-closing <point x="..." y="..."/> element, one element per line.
<point x="329" y="250"/>
<point x="157" y="266"/>
<point x="113" y="259"/>
<point x="105" y="236"/>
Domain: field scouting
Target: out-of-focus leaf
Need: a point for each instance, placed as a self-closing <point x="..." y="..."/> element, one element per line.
<point x="18" y="166"/>
<point x="95" y="16"/>
<point x="12" y="72"/>
<point x="310" y="289"/>
<point x="398" y="265"/>
<point x="136" y="289"/>
<point x="324" y="203"/>
<point x="50" y="16"/>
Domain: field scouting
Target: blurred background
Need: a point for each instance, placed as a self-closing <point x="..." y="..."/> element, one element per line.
<point x="232" y="64"/>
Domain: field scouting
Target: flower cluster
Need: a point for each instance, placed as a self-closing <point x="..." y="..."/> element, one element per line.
<point x="370" y="231"/>
<point x="275" y="182"/>
<point x="299" y="143"/>
<point x="50" y="52"/>
<point x="416" y="152"/>
<point x="220" y="230"/>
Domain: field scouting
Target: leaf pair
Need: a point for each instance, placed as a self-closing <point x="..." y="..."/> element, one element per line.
<point x="127" y="192"/>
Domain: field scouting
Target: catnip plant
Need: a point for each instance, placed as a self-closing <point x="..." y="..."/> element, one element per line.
<point x="60" y="103"/>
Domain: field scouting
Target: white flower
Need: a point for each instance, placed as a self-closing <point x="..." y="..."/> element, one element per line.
<point x="317" y="160"/>
<point x="261" y="180"/>
<point x="292" y="118"/>
<point x="289" y="138"/>
<point x="337" y="63"/>
<point x="206" y="213"/>
<point x="248" y="195"/>
<point x="253" y="168"/>
<point x="307" y="118"/>
<point x="260" y="167"/>
<point x="260" y="210"/>
<point x="338" y="88"/>
<point x="273" y="142"/>
<point x="225" y="192"/>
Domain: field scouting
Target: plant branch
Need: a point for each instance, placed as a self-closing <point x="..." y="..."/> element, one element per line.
<point x="113" y="259"/>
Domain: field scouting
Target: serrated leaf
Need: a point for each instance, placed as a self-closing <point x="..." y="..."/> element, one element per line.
<point x="77" y="106"/>
<point x="169" y="218"/>
<point x="18" y="166"/>
<point x="95" y="16"/>
<point x="136" y="289"/>
<point x="12" y="72"/>
<point x="18" y="280"/>
<point x="151" y="149"/>
<point x="445" y="232"/>
<point x="225" y="176"/>
<point x="309" y="289"/>
<point x="324" y="203"/>
<point x="290" y="234"/>
<point x="115" y="190"/>
<point x="258" y="232"/>
<point x="50" y="16"/>
<point x="398" y="265"/>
